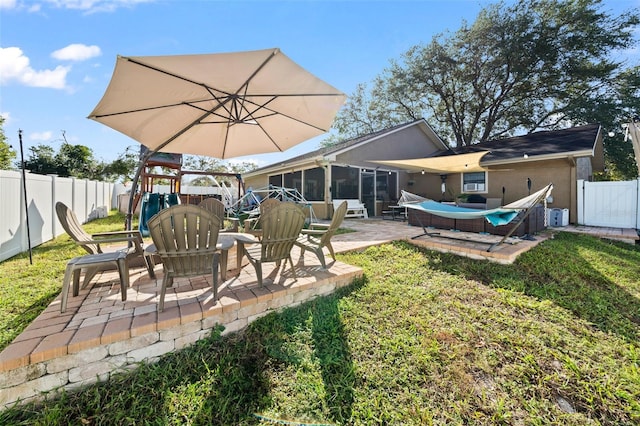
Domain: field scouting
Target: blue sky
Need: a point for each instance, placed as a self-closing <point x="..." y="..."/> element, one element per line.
<point x="57" y="56"/>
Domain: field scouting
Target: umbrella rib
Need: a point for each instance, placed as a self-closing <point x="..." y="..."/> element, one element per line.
<point x="179" y="77"/>
<point x="264" y="63"/>
<point x="137" y="110"/>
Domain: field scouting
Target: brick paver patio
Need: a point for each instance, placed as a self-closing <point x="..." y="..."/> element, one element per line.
<point x="99" y="332"/>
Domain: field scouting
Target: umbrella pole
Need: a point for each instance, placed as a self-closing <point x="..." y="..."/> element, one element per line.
<point x="134" y="187"/>
<point x="26" y="203"/>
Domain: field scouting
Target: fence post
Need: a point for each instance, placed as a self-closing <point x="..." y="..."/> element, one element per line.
<point x="638" y="205"/>
<point x="580" y="200"/>
<point x="54" y="217"/>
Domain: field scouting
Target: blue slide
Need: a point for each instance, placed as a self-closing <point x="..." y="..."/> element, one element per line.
<point x="152" y="203"/>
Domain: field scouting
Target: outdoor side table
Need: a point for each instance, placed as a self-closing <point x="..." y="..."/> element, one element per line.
<point x="241" y="238"/>
<point x="395" y="212"/>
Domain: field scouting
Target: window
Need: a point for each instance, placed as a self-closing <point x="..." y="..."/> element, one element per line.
<point x="474" y="182"/>
<point x="293" y="180"/>
<point x="344" y="182"/>
<point x="275" y="180"/>
<point x="314" y="184"/>
<point x="386" y="185"/>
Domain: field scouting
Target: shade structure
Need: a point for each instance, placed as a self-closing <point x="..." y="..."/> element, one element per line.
<point x="444" y="164"/>
<point x="220" y="105"/>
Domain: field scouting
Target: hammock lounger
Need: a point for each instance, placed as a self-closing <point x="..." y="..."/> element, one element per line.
<point x="499" y="216"/>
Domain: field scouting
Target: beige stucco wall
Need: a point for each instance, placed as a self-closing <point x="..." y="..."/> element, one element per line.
<point x="411" y="142"/>
<point x="514" y="179"/>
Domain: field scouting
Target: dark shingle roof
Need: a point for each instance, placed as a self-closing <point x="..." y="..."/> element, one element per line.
<point x="547" y="143"/>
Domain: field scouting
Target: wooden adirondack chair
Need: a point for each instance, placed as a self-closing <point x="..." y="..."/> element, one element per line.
<point x="280" y="227"/>
<point x="185" y="237"/>
<point x="319" y="235"/>
<point x="216" y="207"/>
<point x="92" y="243"/>
<point x="253" y="226"/>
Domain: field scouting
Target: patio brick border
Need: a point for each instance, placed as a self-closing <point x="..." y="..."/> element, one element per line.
<point x="33" y="367"/>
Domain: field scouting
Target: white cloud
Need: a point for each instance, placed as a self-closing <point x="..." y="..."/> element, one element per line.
<point x="92" y="6"/>
<point x="76" y="52"/>
<point x="41" y="136"/>
<point x="15" y="67"/>
<point x="8" y="4"/>
<point x="6" y="115"/>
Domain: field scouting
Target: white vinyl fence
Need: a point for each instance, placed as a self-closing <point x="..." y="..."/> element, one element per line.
<point x="85" y="197"/>
<point x="609" y="204"/>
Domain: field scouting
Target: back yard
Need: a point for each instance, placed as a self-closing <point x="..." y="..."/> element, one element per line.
<point x="424" y="338"/>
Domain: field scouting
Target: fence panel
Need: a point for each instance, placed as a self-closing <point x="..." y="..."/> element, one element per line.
<point x="83" y="196"/>
<point x="41" y="211"/>
<point x="11" y="214"/>
<point x="611" y="204"/>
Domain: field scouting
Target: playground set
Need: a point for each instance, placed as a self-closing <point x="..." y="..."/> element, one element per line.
<point x="239" y="204"/>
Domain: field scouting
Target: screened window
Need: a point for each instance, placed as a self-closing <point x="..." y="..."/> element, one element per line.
<point x="293" y="180"/>
<point x="386" y="184"/>
<point x="275" y="180"/>
<point x="344" y="182"/>
<point x="314" y="184"/>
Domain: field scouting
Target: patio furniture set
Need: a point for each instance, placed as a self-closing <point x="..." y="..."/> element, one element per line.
<point x="191" y="240"/>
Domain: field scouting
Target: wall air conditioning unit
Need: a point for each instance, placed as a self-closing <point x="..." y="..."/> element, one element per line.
<point x="473" y="187"/>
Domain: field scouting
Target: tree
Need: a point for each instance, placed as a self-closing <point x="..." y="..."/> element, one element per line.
<point x="214" y="165"/>
<point x="77" y="161"/>
<point x="7" y="154"/>
<point x="69" y="161"/>
<point x="123" y="167"/>
<point x="42" y="160"/>
<point x="614" y="108"/>
<point x="516" y="69"/>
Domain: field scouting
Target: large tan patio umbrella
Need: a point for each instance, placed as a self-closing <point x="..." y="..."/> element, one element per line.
<point x="220" y="105"/>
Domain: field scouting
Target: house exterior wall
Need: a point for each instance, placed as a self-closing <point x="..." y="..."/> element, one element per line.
<point x="562" y="173"/>
<point x="407" y="143"/>
<point x="416" y="141"/>
<point x="410" y="142"/>
<point x="584" y="170"/>
<point x="256" y="182"/>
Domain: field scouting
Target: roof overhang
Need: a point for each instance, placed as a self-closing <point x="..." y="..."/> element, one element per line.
<point x="445" y="164"/>
<point x="531" y="158"/>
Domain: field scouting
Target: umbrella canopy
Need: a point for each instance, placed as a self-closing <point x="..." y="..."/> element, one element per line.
<point x="220" y="105"/>
<point x="444" y="164"/>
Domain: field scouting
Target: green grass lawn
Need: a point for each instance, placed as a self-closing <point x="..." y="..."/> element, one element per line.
<point x="424" y="338"/>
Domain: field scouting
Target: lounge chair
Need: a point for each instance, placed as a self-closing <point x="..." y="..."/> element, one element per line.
<point x="253" y="225"/>
<point x="97" y="259"/>
<point x="319" y="235"/>
<point x="216" y="207"/>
